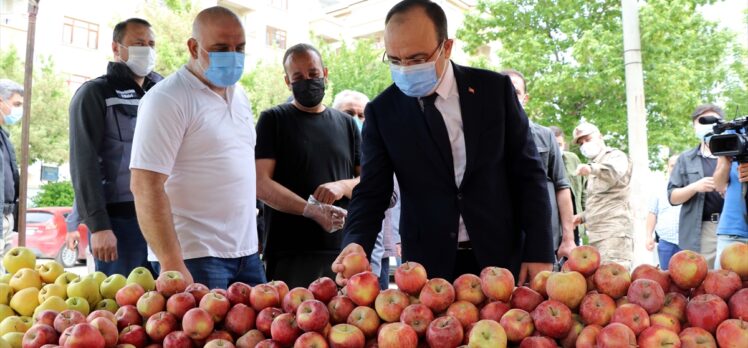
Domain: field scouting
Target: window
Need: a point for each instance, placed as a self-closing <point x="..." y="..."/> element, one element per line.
<point x="281" y="4"/>
<point x="276" y="38"/>
<point x="76" y="32"/>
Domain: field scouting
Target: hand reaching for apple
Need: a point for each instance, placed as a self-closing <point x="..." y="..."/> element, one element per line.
<point x="528" y="271"/>
<point x="182" y="268"/>
<point x="104" y="246"/>
<point x="338" y="265"/>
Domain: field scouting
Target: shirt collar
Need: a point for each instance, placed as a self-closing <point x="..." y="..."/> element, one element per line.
<point x="447" y="87"/>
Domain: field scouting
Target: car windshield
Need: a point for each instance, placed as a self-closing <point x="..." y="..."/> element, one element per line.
<point x="35" y="217"/>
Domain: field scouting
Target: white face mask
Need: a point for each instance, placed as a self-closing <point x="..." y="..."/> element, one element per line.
<point x="591" y="149"/>
<point x="141" y="59"/>
<point x="701" y="130"/>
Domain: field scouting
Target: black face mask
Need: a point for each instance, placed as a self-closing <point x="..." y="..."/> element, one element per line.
<point x="309" y="93"/>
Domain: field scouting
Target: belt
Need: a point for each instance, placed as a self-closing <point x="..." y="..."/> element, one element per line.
<point x="713" y="218"/>
<point x="466" y="245"/>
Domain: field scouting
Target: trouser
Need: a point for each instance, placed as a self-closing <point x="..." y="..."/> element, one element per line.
<point x="709" y="242"/>
<point x="616" y="249"/>
<point x="300" y="269"/>
<point x="666" y="250"/>
<point x="219" y="273"/>
<point x="384" y="274"/>
<point x="722" y="242"/>
<point x="465" y="262"/>
<point x="132" y="250"/>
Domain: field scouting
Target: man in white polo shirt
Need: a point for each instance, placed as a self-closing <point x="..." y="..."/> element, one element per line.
<point x="193" y="174"/>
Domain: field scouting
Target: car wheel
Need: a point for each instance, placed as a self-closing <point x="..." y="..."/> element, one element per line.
<point x="67" y="257"/>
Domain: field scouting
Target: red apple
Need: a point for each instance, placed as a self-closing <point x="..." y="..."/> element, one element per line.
<point x="39" y="335"/>
<point x="584" y="259"/>
<point x="497" y="283"/>
<point x="265" y="319"/>
<point x="134" y="335"/>
<point x="108" y="330"/>
<point x="552" y="319"/>
<point x="418" y="316"/>
<point x="323" y="289"/>
<point x="410" y="277"/>
<point x="733" y="259"/>
<point x="127" y="315"/>
<point x="570" y="341"/>
<point x="354" y="263"/>
<point x="239" y="293"/>
<point x="494" y="310"/>
<point x="665" y="320"/>
<point x="197" y="290"/>
<point x="102" y="313"/>
<point x="696" y="337"/>
<point x="310" y="340"/>
<point x="294" y="298"/>
<point x="588" y="337"/>
<point x="390" y="304"/>
<point x="249" y="339"/>
<point x="178" y="339"/>
<point x="263" y="296"/>
<point x="612" y="279"/>
<point x="687" y="269"/>
<point x="465" y="312"/>
<point x="658" y="336"/>
<point x="487" y="333"/>
<point x="363" y="288"/>
<point x="633" y="316"/>
<point x="312" y="315"/>
<point x="240" y="319"/>
<point x="707" y="311"/>
<point x="444" y="332"/>
<point x="180" y="303"/>
<point x="65" y="335"/>
<point x="84" y="335"/>
<point x="517" y="324"/>
<point x="340" y="307"/>
<point x="568" y="288"/>
<point x="220" y="334"/>
<point x="151" y="303"/>
<point x="215" y="304"/>
<point x="597" y="309"/>
<point x="722" y="283"/>
<point x="538" y="342"/>
<point x="159" y="325"/>
<point x="732" y="333"/>
<point x="366" y="319"/>
<point x="525" y="298"/>
<point x="616" y="335"/>
<point x="437" y="294"/>
<point x="284" y="329"/>
<point x="219" y="343"/>
<point x="46" y="317"/>
<point x="68" y="318"/>
<point x="345" y="336"/>
<point x="539" y="281"/>
<point x="170" y="282"/>
<point x="281" y="287"/>
<point x="468" y="288"/>
<point x="738" y="304"/>
<point x="675" y="304"/>
<point x="650" y="272"/>
<point x="646" y="293"/>
<point x="268" y="343"/>
<point x="129" y="294"/>
<point x="197" y="323"/>
<point x="397" y="335"/>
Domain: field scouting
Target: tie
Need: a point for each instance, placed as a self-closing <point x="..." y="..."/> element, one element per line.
<point x="438" y="129"/>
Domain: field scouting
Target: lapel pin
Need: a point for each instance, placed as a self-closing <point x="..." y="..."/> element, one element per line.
<point x="471" y="90"/>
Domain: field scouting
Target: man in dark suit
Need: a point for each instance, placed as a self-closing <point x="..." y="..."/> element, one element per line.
<point x="472" y="185"/>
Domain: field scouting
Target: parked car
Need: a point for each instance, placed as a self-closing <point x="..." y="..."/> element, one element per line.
<point x="45" y="235"/>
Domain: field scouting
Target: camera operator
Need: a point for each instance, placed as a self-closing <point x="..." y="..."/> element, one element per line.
<point x="692" y="185"/>
<point x="728" y="178"/>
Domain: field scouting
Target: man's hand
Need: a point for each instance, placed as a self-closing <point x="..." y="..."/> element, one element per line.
<point x="72" y="239"/>
<point x="529" y="270"/>
<point x="104" y="245"/>
<point x="330" y="192"/>
<point x="583" y="170"/>
<point x="743" y="172"/>
<point x="705" y="184"/>
<point x="330" y="217"/>
<point x="564" y="250"/>
<point x="337" y="265"/>
<point x="399" y="249"/>
<point x="578" y="220"/>
<point x="650" y="243"/>
<point x="178" y="266"/>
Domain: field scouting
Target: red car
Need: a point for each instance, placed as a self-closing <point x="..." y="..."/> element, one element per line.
<point x="45" y="235"/>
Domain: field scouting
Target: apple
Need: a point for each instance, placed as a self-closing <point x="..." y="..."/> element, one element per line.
<point x="265" y="319"/>
<point x="616" y="335"/>
<point x="438" y="294"/>
<point x="588" y="336"/>
<point x="517" y="324"/>
<point x="127" y="315"/>
<point x="18" y="258"/>
<point x="294" y="298"/>
<point x="179" y="304"/>
<point x="397" y="335"/>
<point x="240" y="319"/>
<point x="46" y="317"/>
<point x="85" y="288"/>
<point x="13" y="324"/>
<point x="525" y="298"/>
<point x="268" y="343"/>
<point x="178" y="339"/>
<point x="466" y="312"/>
<point x="658" y="336"/>
<point x="197" y="323"/>
<point x="418" y="316"/>
<point x="722" y="283"/>
<point x="219" y="343"/>
<point x="312" y="315"/>
<point x="366" y="319"/>
<point x="539" y="281"/>
<point x="552" y="319"/>
<point x="68" y="318"/>
<point x="197" y="290"/>
<point x="697" y="337"/>
<point x="733" y="259"/>
<point x="646" y="293"/>
<point x="444" y="331"/>
<point x="250" y="339"/>
<point x="738" y="304"/>
<point x="215" y="304"/>
<point x="645" y="271"/>
<point x="633" y="316"/>
<point x="107" y="329"/>
<point x="281" y="287"/>
<point x="111" y="285"/>
<point x="584" y="259"/>
<point x="597" y="309"/>
<point x="687" y="269"/>
<point x="494" y="310"/>
<point x="707" y="311"/>
<point x="390" y="303"/>
<point x="568" y="288"/>
<point x="340" y="307"/>
<point x="151" y="303"/>
<point x="133" y="334"/>
<point x="675" y="304"/>
<point x="79" y="304"/>
<point x="47" y="291"/>
<point x="39" y="335"/>
<point x="570" y="340"/>
<point x="665" y="320"/>
<point x="538" y="342"/>
<point x="159" y="325"/>
<point x="142" y="276"/>
<point x="345" y="336"/>
<point x="323" y="289"/>
<point x="410" y="277"/>
<point x="497" y="283"/>
<point x="220" y="335"/>
<point x="612" y="279"/>
<point x="102" y="314"/>
<point x="128" y="294"/>
<point x="468" y="288"/>
<point x="310" y="340"/>
<point x="284" y="329"/>
<point x="108" y="305"/>
<point x="487" y="333"/>
<point x="239" y="293"/>
<point x="354" y="263"/>
<point x="363" y="288"/>
<point x="732" y="333"/>
<point x="85" y="335"/>
<point x="170" y="282"/>
<point x="263" y="296"/>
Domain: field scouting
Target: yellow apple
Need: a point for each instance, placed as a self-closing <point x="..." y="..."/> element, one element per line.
<point x="142" y="276"/>
<point x="25" y="301"/>
<point x="6" y="292"/>
<point x="14" y="339"/>
<point x="12" y="324"/>
<point x="78" y="304"/>
<point x="51" y="290"/>
<point x="107" y="304"/>
<point x="28" y="321"/>
<point x="54" y="303"/>
<point x="86" y="288"/>
<point x="17" y="258"/>
<point x="98" y="276"/>
<point x="26" y="278"/>
<point x="111" y="285"/>
<point x="65" y="278"/>
<point x="6" y="311"/>
<point x="5" y="278"/>
<point x="49" y="271"/>
<point x="4" y="343"/>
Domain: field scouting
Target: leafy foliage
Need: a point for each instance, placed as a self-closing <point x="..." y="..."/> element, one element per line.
<point x="55" y="194"/>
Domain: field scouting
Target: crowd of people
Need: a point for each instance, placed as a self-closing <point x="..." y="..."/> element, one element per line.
<point x="443" y="167"/>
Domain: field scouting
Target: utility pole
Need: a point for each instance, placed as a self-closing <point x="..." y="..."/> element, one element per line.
<point x="27" y="79"/>
<point x="637" y="118"/>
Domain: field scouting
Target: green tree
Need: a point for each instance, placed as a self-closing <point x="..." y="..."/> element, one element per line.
<point x="265" y="86"/>
<point x="172" y="25"/>
<point x="55" y="194"/>
<point x="572" y="54"/>
<point x="356" y="66"/>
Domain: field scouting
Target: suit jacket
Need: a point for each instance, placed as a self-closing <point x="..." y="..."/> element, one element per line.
<point x="502" y="197"/>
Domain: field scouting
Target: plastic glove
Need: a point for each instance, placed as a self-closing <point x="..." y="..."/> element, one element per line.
<point x="330" y="217"/>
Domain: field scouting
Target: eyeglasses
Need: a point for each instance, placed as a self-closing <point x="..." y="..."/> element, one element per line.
<point x="414" y="61"/>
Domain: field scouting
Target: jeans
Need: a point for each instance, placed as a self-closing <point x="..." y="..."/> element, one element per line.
<point x="215" y="272"/>
<point x="132" y="250"/>
<point x="384" y="274"/>
<point x="666" y="250"/>
<point x="722" y="242"/>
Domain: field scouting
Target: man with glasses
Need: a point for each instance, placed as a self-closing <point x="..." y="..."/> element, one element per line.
<point x="103" y="114"/>
<point x="472" y="185"/>
<point x="192" y="171"/>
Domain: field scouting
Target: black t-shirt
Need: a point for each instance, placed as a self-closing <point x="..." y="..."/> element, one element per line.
<point x="712" y="200"/>
<point x="309" y="150"/>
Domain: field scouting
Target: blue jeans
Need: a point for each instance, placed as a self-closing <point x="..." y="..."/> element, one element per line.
<point x="723" y="241"/>
<point x="666" y="250"/>
<point x="132" y="250"/>
<point x="215" y="272"/>
<point x="384" y="274"/>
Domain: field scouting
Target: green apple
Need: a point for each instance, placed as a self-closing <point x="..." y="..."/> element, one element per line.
<point x="5" y="278"/>
<point x="86" y="288"/>
<point x="6" y="311"/>
<point x="6" y="292"/>
<point x="111" y="285"/>
<point x="65" y="278"/>
<point x="98" y="276"/>
<point x="12" y="324"/>
<point x="107" y="304"/>
<point x="78" y="304"/>
<point x="142" y="276"/>
<point x="17" y="258"/>
<point x="14" y="339"/>
<point x="52" y="290"/>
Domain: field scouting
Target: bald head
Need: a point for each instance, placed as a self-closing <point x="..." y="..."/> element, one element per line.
<point x="216" y="30"/>
<point x="212" y="16"/>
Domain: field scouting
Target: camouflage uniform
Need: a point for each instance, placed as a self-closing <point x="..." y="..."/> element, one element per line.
<point x="608" y="216"/>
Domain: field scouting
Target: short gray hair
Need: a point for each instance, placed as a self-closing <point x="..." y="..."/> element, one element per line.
<point x="346" y="95"/>
<point x="8" y="88"/>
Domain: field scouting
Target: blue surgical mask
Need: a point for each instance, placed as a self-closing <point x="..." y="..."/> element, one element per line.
<point x="15" y="115"/>
<point x="359" y="123"/>
<point x="415" y="80"/>
<point x="225" y="68"/>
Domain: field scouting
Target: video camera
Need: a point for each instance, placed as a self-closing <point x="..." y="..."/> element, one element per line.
<point x="732" y="145"/>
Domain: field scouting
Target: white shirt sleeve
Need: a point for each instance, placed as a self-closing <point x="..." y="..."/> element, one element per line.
<point x="159" y="133"/>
